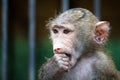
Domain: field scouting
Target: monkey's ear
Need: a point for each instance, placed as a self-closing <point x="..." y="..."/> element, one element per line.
<point x="101" y="31"/>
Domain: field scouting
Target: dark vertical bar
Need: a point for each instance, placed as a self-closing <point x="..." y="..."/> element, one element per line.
<point x="64" y="5"/>
<point x="31" y="39"/>
<point x="97" y="9"/>
<point x="4" y="39"/>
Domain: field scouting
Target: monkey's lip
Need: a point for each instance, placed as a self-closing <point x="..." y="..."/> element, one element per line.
<point x="66" y="53"/>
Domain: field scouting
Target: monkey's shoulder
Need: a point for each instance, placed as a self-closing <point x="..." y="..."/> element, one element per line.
<point x="104" y="60"/>
<point x="104" y="64"/>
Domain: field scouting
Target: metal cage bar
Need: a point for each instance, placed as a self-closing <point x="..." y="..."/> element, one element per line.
<point x="64" y="5"/>
<point x="97" y="9"/>
<point x="32" y="39"/>
<point x="4" y="38"/>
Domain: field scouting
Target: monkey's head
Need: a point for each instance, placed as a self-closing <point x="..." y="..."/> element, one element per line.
<point x="72" y="30"/>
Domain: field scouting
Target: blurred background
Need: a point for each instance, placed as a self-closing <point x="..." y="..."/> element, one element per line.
<point x="19" y="61"/>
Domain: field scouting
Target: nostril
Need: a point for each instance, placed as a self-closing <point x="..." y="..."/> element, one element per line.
<point x="57" y="50"/>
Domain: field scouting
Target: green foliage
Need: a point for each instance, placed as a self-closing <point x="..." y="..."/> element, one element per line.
<point x="114" y="47"/>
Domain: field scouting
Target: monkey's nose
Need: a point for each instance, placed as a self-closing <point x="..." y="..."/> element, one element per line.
<point x="57" y="50"/>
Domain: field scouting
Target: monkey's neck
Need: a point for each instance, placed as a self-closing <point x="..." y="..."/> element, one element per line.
<point x="91" y="50"/>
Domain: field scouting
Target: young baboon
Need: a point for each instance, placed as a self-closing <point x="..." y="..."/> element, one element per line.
<point x="78" y="38"/>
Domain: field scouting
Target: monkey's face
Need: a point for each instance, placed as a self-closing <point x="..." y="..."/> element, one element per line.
<point x="63" y="38"/>
<point x="65" y="41"/>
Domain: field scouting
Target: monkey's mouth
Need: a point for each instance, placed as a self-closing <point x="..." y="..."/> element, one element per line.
<point x="68" y="55"/>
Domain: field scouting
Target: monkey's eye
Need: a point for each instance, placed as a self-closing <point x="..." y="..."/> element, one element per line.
<point x="66" y="31"/>
<point x="55" y="30"/>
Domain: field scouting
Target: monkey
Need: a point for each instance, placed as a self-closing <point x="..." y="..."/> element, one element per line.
<point x="78" y="39"/>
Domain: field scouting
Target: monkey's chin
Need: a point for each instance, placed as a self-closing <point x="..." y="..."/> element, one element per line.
<point x="72" y="62"/>
<point x="72" y="58"/>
